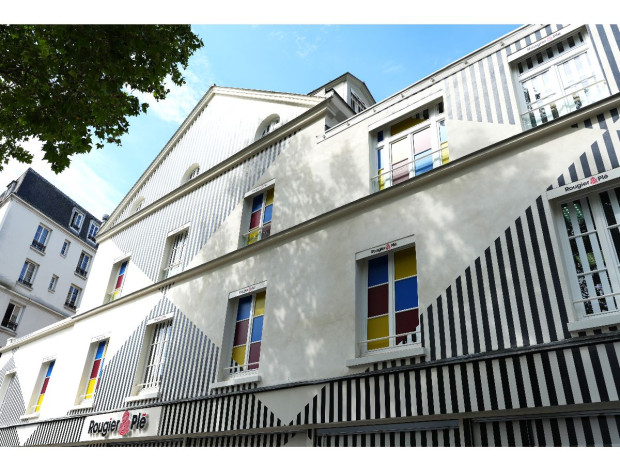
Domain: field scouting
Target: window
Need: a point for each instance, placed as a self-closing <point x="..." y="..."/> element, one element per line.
<point x="41" y="389"/>
<point x="26" y="277"/>
<point x="82" y="266"/>
<point x="357" y="103"/>
<point x="138" y="204"/>
<point x="12" y="316"/>
<point x="591" y="233"/>
<point x="119" y="271"/>
<point x="152" y="358"/>
<point x="248" y="332"/>
<point x="40" y="238"/>
<point x="268" y="125"/>
<point x="73" y="297"/>
<point x="93" y="374"/>
<point x="93" y="229"/>
<point x="410" y="147"/>
<point x="174" y="258"/>
<point x="557" y="79"/>
<point x="65" y="248"/>
<point x="190" y="173"/>
<point x="261" y="210"/>
<point x="77" y="218"/>
<point x="388" y="295"/>
<point x="52" y="285"/>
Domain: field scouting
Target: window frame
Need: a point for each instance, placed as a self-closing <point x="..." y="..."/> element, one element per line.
<point x="537" y="113"/>
<point x="53" y="283"/>
<point x="13" y="320"/>
<point x="139" y="390"/>
<point x="363" y="355"/>
<point x="247" y="231"/>
<point x="79" y="215"/>
<point x="606" y="252"/>
<point x="22" y="274"/>
<point x="80" y="269"/>
<point x="382" y="164"/>
<point x="170" y="252"/>
<point x="81" y="399"/>
<point x="40" y="388"/>
<point x="65" y="247"/>
<point x="92" y="238"/>
<point x="115" y="274"/>
<point x="73" y="302"/>
<point x="36" y="244"/>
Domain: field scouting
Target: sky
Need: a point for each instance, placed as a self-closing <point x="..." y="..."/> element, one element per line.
<point x="276" y="57"/>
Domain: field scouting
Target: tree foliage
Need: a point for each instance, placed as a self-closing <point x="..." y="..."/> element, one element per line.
<point x="71" y="86"/>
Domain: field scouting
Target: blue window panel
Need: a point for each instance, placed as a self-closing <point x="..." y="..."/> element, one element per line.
<point x="379" y="160"/>
<point x="123" y="268"/>
<point x="406" y="293"/>
<point x="245" y="306"/>
<point x="257" y="203"/>
<point x="379" y="136"/>
<point x="257" y="329"/>
<point x="267" y="216"/>
<point x="423" y="165"/>
<point x="100" y="349"/>
<point x="378" y="271"/>
<point x="49" y="369"/>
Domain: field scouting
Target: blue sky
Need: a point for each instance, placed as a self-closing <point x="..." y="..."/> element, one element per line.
<point x="286" y="58"/>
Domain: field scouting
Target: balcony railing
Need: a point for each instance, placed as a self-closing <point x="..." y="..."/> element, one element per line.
<point x="81" y="271"/>
<point x="70" y="304"/>
<point x="542" y="112"/>
<point x="421" y="164"/>
<point x="24" y="282"/>
<point x="9" y="325"/>
<point x="240" y="368"/>
<point x="91" y="238"/>
<point x="256" y="234"/>
<point x="412" y="337"/>
<point x="38" y="245"/>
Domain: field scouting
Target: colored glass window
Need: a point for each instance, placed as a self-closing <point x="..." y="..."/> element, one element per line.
<point x="392" y="300"/>
<point x="97" y="368"/>
<point x="260" y="217"/>
<point x="120" y="280"/>
<point x="248" y="332"/>
<point x="46" y="380"/>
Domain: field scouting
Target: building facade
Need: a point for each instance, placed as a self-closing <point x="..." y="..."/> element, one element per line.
<point x="47" y="244"/>
<point x="438" y="268"/>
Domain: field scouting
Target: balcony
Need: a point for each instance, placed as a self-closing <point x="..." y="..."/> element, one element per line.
<point x="542" y="111"/>
<point x="9" y="325"/>
<point x="70" y="305"/>
<point x="38" y="245"/>
<point x="24" y="282"/>
<point x="256" y="234"/>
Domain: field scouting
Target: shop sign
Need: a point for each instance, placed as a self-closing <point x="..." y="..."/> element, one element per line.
<point x="592" y="181"/>
<point x="125" y="424"/>
<point x="379" y="249"/>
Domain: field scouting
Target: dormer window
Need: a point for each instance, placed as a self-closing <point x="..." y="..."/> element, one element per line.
<point x="93" y="229"/>
<point x="77" y="218"/>
<point x="137" y="205"/>
<point x="357" y="104"/>
<point x="268" y="125"/>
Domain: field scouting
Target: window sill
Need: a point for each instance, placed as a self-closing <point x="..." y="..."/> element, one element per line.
<point x="84" y="277"/>
<point x="10" y="331"/>
<point x="82" y="406"/>
<point x="24" y="285"/>
<point x="143" y="396"/>
<point x="237" y="380"/>
<point x="38" y="251"/>
<point x="367" y="359"/>
<point x="595" y="321"/>
<point x="29" y="416"/>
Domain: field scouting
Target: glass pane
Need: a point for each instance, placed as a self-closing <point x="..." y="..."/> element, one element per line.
<point x="378" y="328"/>
<point x="254" y="356"/>
<point x="424" y="164"/>
<point x="241" y="332"/>
<point x="245" y="306"/>
<point x="406" y="322"/>
<point x="406" y="293"/>
<point x="405" y="263"/>
<point x="257" y="329"/>
<point x="257" y="202"/>
<point x="400" y="172"/>
<point x="422" y="141"/>
<point x="267" y="216"/>
<point x="255" y="219"/>
<point x="94" y="372"/>
<point x="238" y="355"/>
<point x="400" y="150"/>
<point x="378" y="300"/>
<point x="259" y="306"/>
<point x="378" y="271"/>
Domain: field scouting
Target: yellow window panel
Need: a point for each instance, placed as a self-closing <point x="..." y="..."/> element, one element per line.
<point x="445" y="153"/>
<point x="253" y="237"/>
<point x="238" y="355"/>
<point x="378" y="328"/>
<point x="259" y="307"/>
<point x="400" y="150"/>
<point x="381" y="180"/>
<point x="405" y="263"/>
<point x="39" y="402"/>
<point x="404" y="125"/>
<point x="269" y="198"/>
<point x="91" y="388"/>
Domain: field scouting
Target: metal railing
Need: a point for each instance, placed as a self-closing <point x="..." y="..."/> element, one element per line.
<point x="239" y="368"/>
<point x="81" y="271"/>
<point x="9" y="325"/>
<point x="25" y="283"/>
<point x="539" y="113"/>
<point x="261" y="232"/>
<point x="412" y="337"/>
<point x="38" y="245"/>
<point x="407" y="171"/>
<point x="70" y="304"/>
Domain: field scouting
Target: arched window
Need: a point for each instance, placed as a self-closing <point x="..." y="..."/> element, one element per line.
<point x="191" y="173"/>
<point x="267" y="126"/>
<point x="137" y="205"/>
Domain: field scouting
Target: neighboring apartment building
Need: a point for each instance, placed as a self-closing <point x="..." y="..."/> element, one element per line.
<point x="47" y="244"/>
<point x="438" y="268"/>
